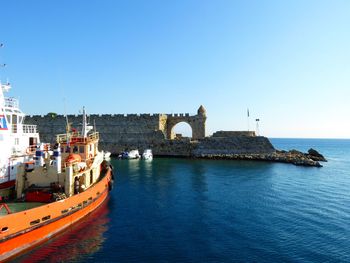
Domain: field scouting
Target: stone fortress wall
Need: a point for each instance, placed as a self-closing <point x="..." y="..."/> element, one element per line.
<point x="119" y="132"/>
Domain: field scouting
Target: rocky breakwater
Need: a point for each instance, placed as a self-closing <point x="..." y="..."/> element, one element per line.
<point x="258" y="148"/>
<point x="312" y="158"/>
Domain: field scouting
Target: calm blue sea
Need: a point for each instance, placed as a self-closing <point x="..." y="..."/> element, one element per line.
<point x="179" y="210"/>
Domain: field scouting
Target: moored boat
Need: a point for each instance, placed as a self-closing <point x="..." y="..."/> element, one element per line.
<point x="147" y="154"/>
<point x="107" y="155"/>
<point x="65" y="185"/>
<point x="133" y="154"/>
<point x="18" y="141"/>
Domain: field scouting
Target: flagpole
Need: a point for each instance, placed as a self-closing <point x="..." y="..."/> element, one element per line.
<point x="248" y="118"/>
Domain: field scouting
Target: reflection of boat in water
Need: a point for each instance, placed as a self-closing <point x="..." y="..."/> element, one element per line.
<point x="133" y="154"/>
<point x="65" y="188"/>
<point x="147" y="154"/>
<point x="76" y="243"/>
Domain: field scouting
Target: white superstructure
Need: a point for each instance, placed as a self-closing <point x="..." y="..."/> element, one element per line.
<point x="17" y="140"/>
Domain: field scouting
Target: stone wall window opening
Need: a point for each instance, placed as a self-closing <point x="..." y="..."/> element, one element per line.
<point x="181" y="130"/>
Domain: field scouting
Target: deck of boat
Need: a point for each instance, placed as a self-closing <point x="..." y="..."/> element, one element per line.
<point x="19" y="206"/>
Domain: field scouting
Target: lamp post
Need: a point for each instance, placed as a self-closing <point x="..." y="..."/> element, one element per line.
<point x="257" y="127"/>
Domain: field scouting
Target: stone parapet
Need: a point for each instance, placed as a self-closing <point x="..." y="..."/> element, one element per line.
<point x="234" y="133"/>
<point x="234" y="145"/>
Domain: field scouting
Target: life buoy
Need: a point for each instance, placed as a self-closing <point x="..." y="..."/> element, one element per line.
<point x="73" y="157"/>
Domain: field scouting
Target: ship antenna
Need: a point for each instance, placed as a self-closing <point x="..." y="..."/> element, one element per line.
<point x="2" y="65"/>
<point x="84" y="128"/>
<point x="248" y="118"/>
<point x="67" y="123"/>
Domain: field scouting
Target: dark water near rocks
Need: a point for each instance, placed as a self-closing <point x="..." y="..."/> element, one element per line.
<point x="178" y="210"/>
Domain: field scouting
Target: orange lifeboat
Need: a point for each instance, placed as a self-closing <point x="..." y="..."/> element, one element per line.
<point x="73" y="158"/>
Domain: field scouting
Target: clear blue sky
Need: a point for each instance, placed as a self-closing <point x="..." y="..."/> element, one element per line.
<point x="287" y="61"/>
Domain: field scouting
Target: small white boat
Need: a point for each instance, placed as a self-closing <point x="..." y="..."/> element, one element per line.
<point x="134" y="154"/>
<point x="107" y="155"/>
<point x="147" y="154"/>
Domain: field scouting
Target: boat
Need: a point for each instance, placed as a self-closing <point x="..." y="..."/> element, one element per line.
<point x="64" y="185"/>
<point x="147" y="154"/>
<point x="123" y="155"/>
<point x="133" y="154"/>
<point x="18" y="141"/>
<point x="107" y="155"/>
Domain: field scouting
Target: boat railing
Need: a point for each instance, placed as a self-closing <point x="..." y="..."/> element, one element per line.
<point x="11" y="103"/>
<point x="24" y="128"/>
<point x="76" y="137"/>
<point x="3" y="205"/>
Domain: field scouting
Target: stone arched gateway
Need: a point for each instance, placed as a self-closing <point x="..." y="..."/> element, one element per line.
<point x="197" y="123"/>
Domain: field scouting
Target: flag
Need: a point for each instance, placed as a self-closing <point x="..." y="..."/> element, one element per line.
<point x="248" y="112"/>
<point x="3" y="124"/>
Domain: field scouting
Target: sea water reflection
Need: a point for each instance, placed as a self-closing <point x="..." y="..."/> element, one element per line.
<point x="181" y="210"/>
<point x="75" y="244"/>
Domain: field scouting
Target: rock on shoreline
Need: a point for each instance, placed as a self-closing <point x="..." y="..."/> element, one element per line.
<point x="312" y="158"/>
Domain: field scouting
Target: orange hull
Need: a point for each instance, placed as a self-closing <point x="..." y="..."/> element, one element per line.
<point x="23" y="230"/>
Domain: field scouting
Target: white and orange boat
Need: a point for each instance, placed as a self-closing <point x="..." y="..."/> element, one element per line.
<point x="17" y="140"/>
<point x="63" y="186"/>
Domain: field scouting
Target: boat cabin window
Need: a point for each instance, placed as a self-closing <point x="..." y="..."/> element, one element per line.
<point x="8" y="118"/>
<point x="32" y="141"/>
<point x="67" y="149"/>
<point x="14" y="123"/>
<point x="14" y="119"/>
<point x="81" y="149"/>
<point x="75" y="149"/>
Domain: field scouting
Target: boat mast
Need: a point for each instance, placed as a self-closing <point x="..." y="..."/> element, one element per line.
<point x="3" y="87"/>
<point x="84" y="130"/>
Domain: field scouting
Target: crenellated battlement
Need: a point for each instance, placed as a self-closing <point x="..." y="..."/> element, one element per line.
<point x="145" y="126"/>
<point x="124" y="116"/>
<point x="127" y="131"/>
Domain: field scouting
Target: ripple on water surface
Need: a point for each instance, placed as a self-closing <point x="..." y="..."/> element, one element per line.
<point x="178" y="210"/>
